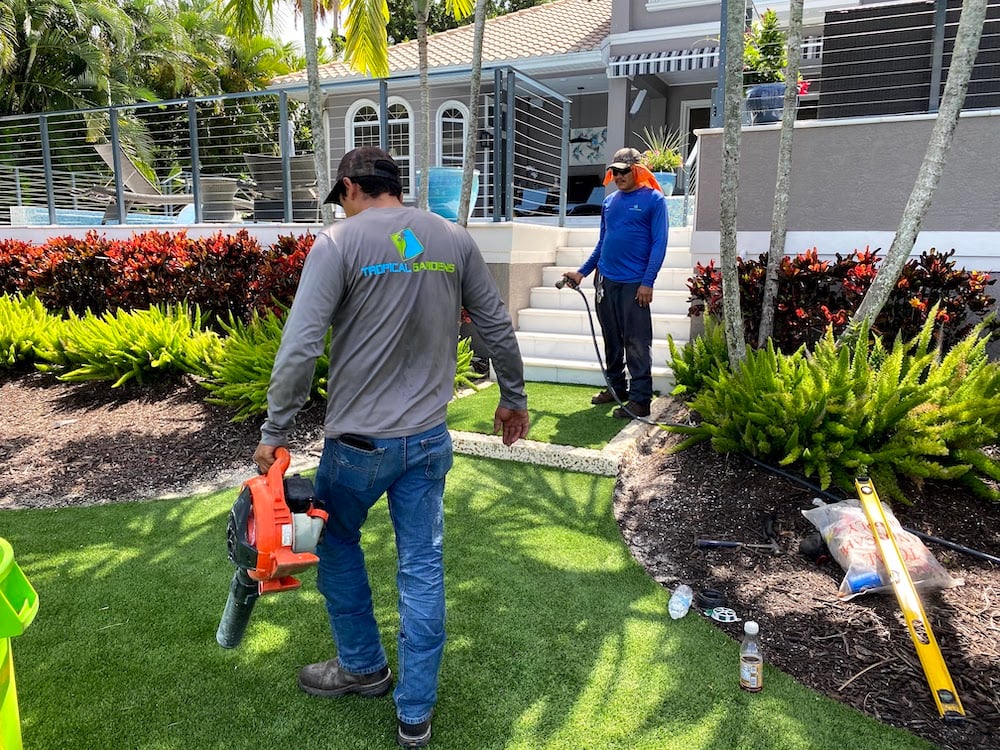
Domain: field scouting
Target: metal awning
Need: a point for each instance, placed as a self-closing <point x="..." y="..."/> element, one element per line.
<point x="673" y="61"/>
<point x="681" y="60"/>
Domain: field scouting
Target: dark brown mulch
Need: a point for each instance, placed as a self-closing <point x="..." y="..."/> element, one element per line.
<point x="64" y="445"/>
<point x="857" y="652"/>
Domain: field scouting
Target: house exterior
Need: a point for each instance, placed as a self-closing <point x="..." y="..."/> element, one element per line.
<point x="618" y="66"/>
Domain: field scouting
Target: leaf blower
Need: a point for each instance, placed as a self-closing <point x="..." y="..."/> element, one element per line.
<point x="274" y="527"/>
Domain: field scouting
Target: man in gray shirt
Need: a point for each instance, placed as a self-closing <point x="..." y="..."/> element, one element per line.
<point x="388" y="283"/>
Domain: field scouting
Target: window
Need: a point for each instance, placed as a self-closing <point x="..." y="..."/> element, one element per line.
<point x="362" y="128"/>
<point x="452" y="127"/>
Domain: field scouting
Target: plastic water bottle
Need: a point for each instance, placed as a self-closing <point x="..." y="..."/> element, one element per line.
<point x="751" y="661"/>
<point x="680" y="601"/>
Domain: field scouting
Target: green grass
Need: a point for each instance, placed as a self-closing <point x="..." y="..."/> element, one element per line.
<point x="560" y="414"/>
<point x="557" y="638"/>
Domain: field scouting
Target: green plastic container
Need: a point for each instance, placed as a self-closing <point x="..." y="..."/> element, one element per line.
<point x="18" y="606"/>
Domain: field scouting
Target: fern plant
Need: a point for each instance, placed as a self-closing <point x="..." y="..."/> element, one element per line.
<point x="136" y="345"/>
<point x="698" y="359"/>
<point x="26" y="328"/>
<point x="242" y="373"/>
<point x="463" y="367"/>
<point x="907" y="413"/>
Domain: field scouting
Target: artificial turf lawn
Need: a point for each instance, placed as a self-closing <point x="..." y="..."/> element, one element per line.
<point x="557" y="638"/>
<point x="560" y="414"/>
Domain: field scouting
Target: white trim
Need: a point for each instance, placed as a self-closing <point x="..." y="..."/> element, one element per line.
<point x="653" y="6"/>
<point x="686" y="106"/>
<point x="464" y="109"/>
<point x="709" y="32"/>
<point x="352" y="110"/>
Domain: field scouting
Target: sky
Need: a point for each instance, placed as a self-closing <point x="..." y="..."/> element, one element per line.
<point x="290" y="28"/>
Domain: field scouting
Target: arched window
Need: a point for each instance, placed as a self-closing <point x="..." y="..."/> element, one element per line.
<point x="452" y="126"/>
<point x="362" y="129"/>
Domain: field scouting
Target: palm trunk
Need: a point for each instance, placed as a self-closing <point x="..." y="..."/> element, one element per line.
<point x="421" y="10"/>
<point x="316" y="107"/>
<point x="473" y="124"/>
<point x="732" y="123"/>
<point x="779" y="219"/>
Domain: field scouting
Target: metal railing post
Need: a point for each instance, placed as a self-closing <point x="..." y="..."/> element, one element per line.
<point x="509" y="121"/>
<point x="50" y="199"/>
<point x="564" y="164"/>
<point x="195" y="160"/>
<point x="498" y="171"/>
<point x="116" y="161"/>
<point x="285" y="151"/>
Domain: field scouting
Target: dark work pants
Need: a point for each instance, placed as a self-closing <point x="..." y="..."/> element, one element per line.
<point x="628" y="339"/>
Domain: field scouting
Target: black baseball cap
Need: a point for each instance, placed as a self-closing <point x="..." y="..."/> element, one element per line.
<point x="625" y="158"/>
<point x="366" y="161"/>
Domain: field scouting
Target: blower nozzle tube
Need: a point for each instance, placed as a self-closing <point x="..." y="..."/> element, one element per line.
<point x="243" y="595"/>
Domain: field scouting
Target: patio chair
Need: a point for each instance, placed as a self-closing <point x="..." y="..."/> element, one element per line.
<point x="533" y="201"/>
<point x="591" y="207"/>
<point x="268" y="181"/>
<point x="218" y="194"/>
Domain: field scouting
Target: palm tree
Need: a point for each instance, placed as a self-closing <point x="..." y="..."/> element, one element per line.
<point x="366" y="52"/>
<point x="421" y="10"/>
<point x="732" y="123"/>
<point x="779" y="219"/>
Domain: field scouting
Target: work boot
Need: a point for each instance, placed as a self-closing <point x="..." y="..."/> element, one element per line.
<point x="607" y="397"/>
<point x="413" y="735"/>
<point x="328" y="679"/>
<point x="638" y="410"/>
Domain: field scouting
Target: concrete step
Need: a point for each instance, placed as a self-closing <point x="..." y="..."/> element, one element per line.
<point x="548" y="370"/>
<point x="579" y="347"/>
<point x="666" y="301"/>
<point x="543" y="320"/>
<point x="669" y="281"/>
<point x="676" y="257"/>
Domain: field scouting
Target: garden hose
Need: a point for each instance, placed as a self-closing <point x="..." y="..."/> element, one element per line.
<point x="564" y="281"/>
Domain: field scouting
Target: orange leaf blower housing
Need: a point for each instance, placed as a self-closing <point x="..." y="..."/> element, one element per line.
<point x="274" y="527"/>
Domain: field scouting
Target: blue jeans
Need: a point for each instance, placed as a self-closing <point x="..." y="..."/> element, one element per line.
<point x="411" y="470"/>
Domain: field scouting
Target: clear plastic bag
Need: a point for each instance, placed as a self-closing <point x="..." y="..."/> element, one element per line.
<point x="848" y="535"/>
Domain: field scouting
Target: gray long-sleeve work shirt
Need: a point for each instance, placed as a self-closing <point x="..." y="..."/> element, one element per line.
<point x="388" y="284"/>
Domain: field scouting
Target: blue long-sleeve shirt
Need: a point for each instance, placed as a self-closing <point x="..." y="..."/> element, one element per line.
<point x="633" y="239"/>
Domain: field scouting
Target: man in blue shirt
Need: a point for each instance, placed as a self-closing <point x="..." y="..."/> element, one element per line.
<point x="628" y="255"/>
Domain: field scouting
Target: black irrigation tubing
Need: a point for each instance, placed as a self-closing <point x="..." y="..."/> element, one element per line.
<point x="834" y="498"/>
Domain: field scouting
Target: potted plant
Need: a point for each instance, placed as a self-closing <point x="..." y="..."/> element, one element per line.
<point x="764" y="60"/>
<point x="662" y="156"/>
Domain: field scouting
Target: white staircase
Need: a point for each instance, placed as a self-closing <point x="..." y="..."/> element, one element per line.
<point x="555" y="337"/>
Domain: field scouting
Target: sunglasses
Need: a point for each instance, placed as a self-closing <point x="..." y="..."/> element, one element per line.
<point x="621" y="172"/>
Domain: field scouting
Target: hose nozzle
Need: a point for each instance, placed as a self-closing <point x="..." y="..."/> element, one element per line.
<point x="565" y="281"/>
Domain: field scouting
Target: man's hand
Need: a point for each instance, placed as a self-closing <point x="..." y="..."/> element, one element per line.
<point x="514" y="423"/>
<point x="574" y="276"/>
<point x="644" y="296"/>
<point x="264" y="457"/>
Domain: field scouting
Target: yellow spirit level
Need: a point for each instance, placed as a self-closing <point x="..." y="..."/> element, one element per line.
<point x="935" y="670"/>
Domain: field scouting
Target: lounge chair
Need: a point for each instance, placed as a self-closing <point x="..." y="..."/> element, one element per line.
<point x="591" y="207"/>
<point x="533" y="201"/>
<point x="218" y="194"/>
<point x="267" y="174"/>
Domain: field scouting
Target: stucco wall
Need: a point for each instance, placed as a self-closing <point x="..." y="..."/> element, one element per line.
<point x="849" y="184"/>
<point x="858" y="175"/>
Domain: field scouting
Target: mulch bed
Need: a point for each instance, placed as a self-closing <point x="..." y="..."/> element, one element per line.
<point x="69" y="445"/>
<point x="857" y="652"/>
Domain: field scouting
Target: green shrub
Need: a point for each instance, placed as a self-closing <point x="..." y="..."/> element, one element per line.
<point x="906" y="413"/>
<point x="72" y="274"/>
<point x="814" y="294"/>
<point x="698" y="359"/>
<point x="155" y="343"/>
<point x="241" y="375"/>
<point x="26" y="328"/>
<point x="463" y="369"/>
